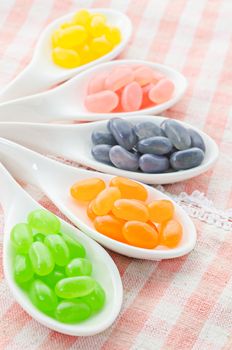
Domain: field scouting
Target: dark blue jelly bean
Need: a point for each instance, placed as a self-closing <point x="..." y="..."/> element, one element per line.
<point x="155" y="145"/>
<point x="151" y="163"/>
<point x="196" y="140"/>
<point x="123" y="132"/>
<point x="124" y="159"/>
<point x="101" y="153"/>
<point x="187" y="159"/>
<point x="177" y="134"/>
<point x="100" y="137"/>
<point x="147" y="129"/>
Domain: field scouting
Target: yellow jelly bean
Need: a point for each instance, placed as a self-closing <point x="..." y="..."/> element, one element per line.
<point x="72" y="36"/>
<point x="97" y="25"/>
<point x="113" y="34"/>
<point x="82" y="17"/>
<point x="85" y="53"/>
<point x="66" y="25"/>
<point x="65" y="58"/>
<point x="100" y="46"/>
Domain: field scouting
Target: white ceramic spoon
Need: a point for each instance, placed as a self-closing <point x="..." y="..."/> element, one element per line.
<point x="73" y="142"/>
<point x="55" y="179"/>
<point x="66" y="102"/>
<point x="42" y="73"/>
<point x="17" y="204"/>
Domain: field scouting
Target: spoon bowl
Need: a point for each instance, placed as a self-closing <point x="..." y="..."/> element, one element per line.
<point x="66" y="102"/>
<point x="17" y="204"/>
<point x="73" y="142"/>
<point x="55" y="179"/>
<point x="42" y="73"/>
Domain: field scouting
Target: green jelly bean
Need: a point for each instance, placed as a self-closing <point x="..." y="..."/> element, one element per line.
<point x="21" y="236"/>
<point x="96" y="299"/>
<point x="23" y="270"/>
<point x="39" y="237"/>
<point x="41" y="259"/>
<point x="42" y="296"/>
<point x="74" y="287"/>
<point x="72" y="311"/>
<point x="79" y="267"/>
<point x="76" y="249"/>
<point x="59" y="249"/>
<point x="55" y="276"/>
<point x="44" y="221"/>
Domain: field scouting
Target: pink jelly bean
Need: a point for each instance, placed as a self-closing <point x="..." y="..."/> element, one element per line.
<point x="132" y="97"/>
<point x="118" y="78"/>
<point x="146" y="102"/>
<point x="97" y="83"/>
<point x="143" y="75"/>
<point x="102" y="102"/>
<point x="157" y="77"/>
<point x="162" y="91"/>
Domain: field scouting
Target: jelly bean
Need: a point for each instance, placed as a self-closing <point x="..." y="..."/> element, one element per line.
<point x="66" y="58"/>
<point x="101" y="102"/>
<point x="187" y="159"/>
<point x="132" y="97"/>
<point x="161" y="210"/>
<point x="100" y="46"/>
<point x="21" y="236"/>
<point x="23" y="271"/>
<point x="41" y="259"/>
<point x="59" y="249"/>
<point x="55" y="276"/>
<point x="104" y="201"/>
<point x="196" y="140"/>
<point x="101" y="153"/>
<point x="145" y="130"/>
<point x="129" y="189"/>
<point x="146" y="102"/>
<point x="97" y="83"/>
<point x="123" y="159"/>
<point x="42" y="296"/>
<point x="157" y="76"/>
<point x="96" y="299"/>
<point x="151" y="163"/>
<point x="162" y="91"/>
<point x="118" y="78"/>
<point x="155" y="145"/>
<point x="97" y="25"/>
<point x="43" y="221"/>
<point x="101" y="137"/>
<point x="130" y="209"/>
<point x="113" y="34"/>
<point x="90" y="211"/>
<point x="72" y="311"/>
<point x="123" y="132"/>
<point x="78" y="267"/>
<point x="85" y="53"/>
<point x="72" y="36"/>
<point x="171" y="233"/>
<point x="140" y="234"/>
<point x="143" y="75"/>
<point x="82" y="17"/>
<point x="39" y="237"/>
<point x="74" y="287"/>
<point x="177" y="134"/>
<point x="110" y="226"/>
<point x="76" y="249"/>
<point x="88" y="189"/>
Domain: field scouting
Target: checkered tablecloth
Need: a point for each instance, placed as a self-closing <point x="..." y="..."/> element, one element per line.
<point x="179" y="304"/>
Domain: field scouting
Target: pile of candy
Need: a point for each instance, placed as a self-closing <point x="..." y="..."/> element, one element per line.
<point x="84" y="39"/>
<point x="127" y="88"/>
<point x="53" y="270"/>
<point x="148" y="146"/>
<point x="121" y="212"/>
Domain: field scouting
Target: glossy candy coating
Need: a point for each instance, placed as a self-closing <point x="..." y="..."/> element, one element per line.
<point x="40" y="237"/>
<point x="110" y="226"/>
<point x="132" y="96"/>
<point x="140" y="234"/>
<point x="102" y="153"/>
<point x="123" y="132"/>
<point x="58" y="248"/>
<point x="97" y="83"/>
<point x="158" y="145"/>
<point x="196" y="139"/>
<point x="72" y="311"/>
<point x="21" y="236"/>
<point x="187" y="159"/>
<point x="67" y="58"/>
<point x="123" y="159"/>
<point x="41" y="259"/>
<point x="90" y="211"/>
<point x="23" y="270"/>
<point x="129" y="189"/>
<point x="42" y="296"/>
<point x="145" y="130"/>
<point x="82" y="18"/>
<point x="171" y="233"/>
<point x="151" y="163"/>
<point x="177" y="134"/>
<point x="162" y="91"/>
<point x="101" y="137"/>
<point x="113" y="35"/>
<point x="74" y="287"/>
<point x="143" y="75"/>
<point x="96" y="299"/>
<point x="102" y="102"/>
<point x="78" y="267"/>
<point x="57" y="274"/>
<point x="76" y="249"/>
<point x="104" y="201"/>
<point x="161" y="210"/>
<point x="130" y="209"/>
<point x="118" y="78"/>
<point x="86" y="190"/>
<point x="44" y="221"/>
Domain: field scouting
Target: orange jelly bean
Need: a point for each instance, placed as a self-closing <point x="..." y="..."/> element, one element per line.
<point x="171" y="233"/>
<point x="129" y="209"/>
<point x="105" y="200"/>
<point x="140" y="234"/>
<point x="86" y="190"/>
<point x="90" y="211"/>
<point x="110" y="226"/>
<point x="129" y="189"/>
<point x="161" y="210"/>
